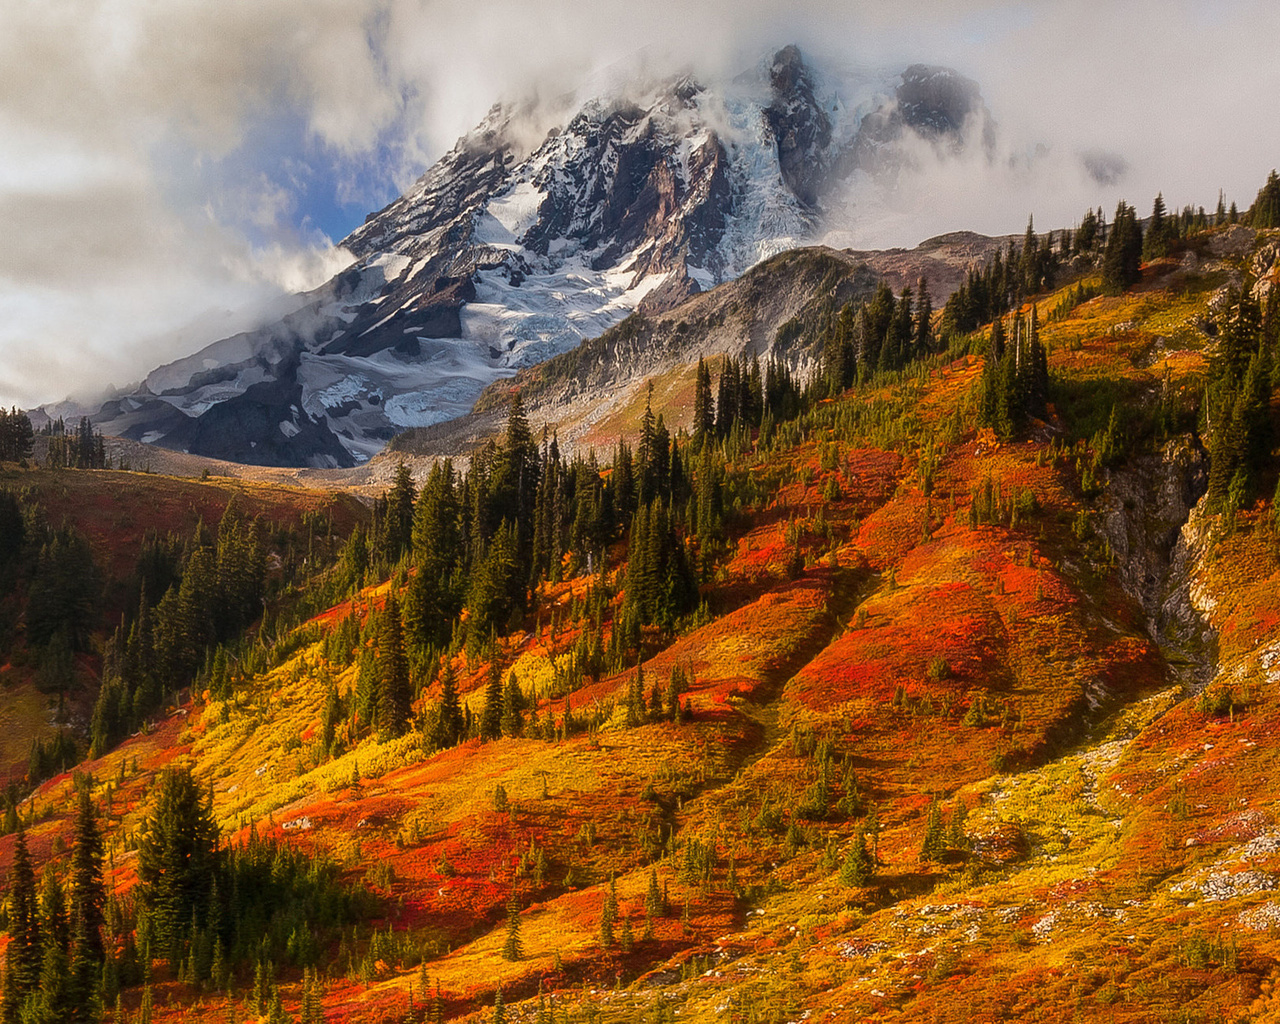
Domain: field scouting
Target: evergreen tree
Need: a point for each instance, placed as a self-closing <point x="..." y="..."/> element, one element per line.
<point x="449" y="726"/>
<point x="511" y="948"/>
<point x="857" y="868"/>
<point x="25" y="953"/>
<point x="704" y="420"/>
<point x="64" y="591"/>
<point x="609" y="913"/>
<point x="1155" y="244"/>
<point x="177" y="859"/>
<point x="312" y="1010"/>
<point x="653" y="902"/>
<point x="17" y="439"/>
<point x="1122" y="259"/>
<point x="394" y="696"/>
<point x="513" y="704"/>
<point x="924" y="320"/>
<point x="1265" y="211"/>
<point x="491" y="716"/>
<point x="433" y="597"/>
<point x="87" y="900"/>
<point x="497" y="591"/>
<point x="934" y="844"/>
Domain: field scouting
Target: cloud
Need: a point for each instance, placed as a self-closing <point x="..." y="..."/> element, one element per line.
<point x="162" y="163"/>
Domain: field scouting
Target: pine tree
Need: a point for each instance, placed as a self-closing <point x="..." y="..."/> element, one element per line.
<point x="511" y="948"/>
<point x="1122" y="259"/>
<point x="491" y="716"/>
<point x="934" y="837"/>
<point x="609" y="913"/>
<point x="25" y="952"/>
<point x="704" y="418"/>
<point x="858" y="867"/>
<point x="499" y="1010"/>
<point x="312" y="1010"/>
<point x="653" y="902"/>
<point x="449" y="722"/>
<point x="275" y="1012"/>
<point x="1265" y="211"/>
<point x="394" y="697"/>
<point x="924" y="320"/>
<point x="177" y="859"/>
<point x="1156" y="242"/>
<point x="87" y="898"/>
<point x="512" y="705"/>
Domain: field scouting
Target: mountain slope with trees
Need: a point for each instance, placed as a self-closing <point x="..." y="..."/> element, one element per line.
<point x="931" y="675"/>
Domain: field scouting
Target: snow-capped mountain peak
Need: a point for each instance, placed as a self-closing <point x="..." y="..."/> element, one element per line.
<point x="510" y="250"/>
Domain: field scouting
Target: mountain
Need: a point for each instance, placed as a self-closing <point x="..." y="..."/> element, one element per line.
<point x="775" y="310"/>
<point x="948" y="695"/>
<point x="507" y="252"/>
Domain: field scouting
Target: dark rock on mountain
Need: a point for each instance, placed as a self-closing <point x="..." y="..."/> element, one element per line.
<point x="509" y="251"/>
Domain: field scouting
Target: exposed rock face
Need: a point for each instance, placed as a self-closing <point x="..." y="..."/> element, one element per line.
<point x="801" y="129"/>
<point x="936" y="104"/>
<point x="1150" y="520"/>
<point x="506" y="253"/>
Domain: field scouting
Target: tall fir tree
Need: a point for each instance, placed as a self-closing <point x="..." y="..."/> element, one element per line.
<point x="25" y="952"/>
<point x="177" y="860"/>
<point x="449" y="724"/>
<point x="491" y="716"/>
<point x="704" y="417"/>
<point x="394" y="696"/>
<point x="87" y="900"/>
<point x="512" y="949"/>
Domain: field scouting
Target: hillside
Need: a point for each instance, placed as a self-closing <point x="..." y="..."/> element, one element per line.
<point x="941" y="686"/>
<point x="594" y="393"/>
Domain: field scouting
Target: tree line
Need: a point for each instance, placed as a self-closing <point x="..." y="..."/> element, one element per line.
<point x="17" y="439"/>
<point x="211" y="910"/>
<point x="194" y="598"/>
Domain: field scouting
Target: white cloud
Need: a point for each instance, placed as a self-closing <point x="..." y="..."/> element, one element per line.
<point x="114" y="112"/>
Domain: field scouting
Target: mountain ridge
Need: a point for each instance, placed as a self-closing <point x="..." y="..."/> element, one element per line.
<point x="508" y="251"/>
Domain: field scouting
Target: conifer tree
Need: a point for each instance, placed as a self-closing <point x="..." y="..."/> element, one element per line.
<point x="25" y="952"/>
<point x="394" y="696"/>
<point x="1155" y="243"/>
<point x="177" y="859"/>
<point x="491" y="716"/>
<point x="934" y="837"/>
<point x="87" y="899"/>
<point x="275" y="1012"/>
<point x="449" y="721"/>
<point x="312" y="1010"/>
<point x="512" y="707"/>
<point x="857" y="868"/>
<point x="1122" y="259"/>
<point x="1265" y="211"/>
<point x="704" y="419"/>
<point x="653" y="904"/>
<point x="924" y="320"/>
<point x="609" y="913"/>
<point x="511" y="948"/>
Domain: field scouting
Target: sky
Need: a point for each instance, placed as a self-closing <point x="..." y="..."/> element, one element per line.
<point x="172" y="170"/>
